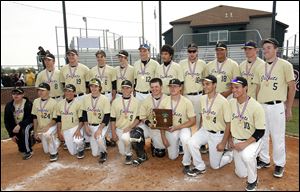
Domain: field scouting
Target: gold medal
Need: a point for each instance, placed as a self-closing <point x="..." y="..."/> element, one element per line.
<point x="219" y="76"/>
<point x="95" y="113"/>
<point x="142" y="77"/>
<point x="208" y="117"/>
<point x="240" y="122"/>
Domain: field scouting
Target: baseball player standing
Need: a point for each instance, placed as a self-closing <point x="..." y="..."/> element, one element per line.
<point x="183" y="119"/>
<point x="224" y="68"/>
<point x="96" y="113"/>
<point x="124" y="117"/>
<point x="247" y="129"/>
<point x="44" y="121"/>
<point x="248" y="66"/>
<point x="193" y="70"/>
<point x="124" y="71"/>
<point x="168" y="69"/>
<point x="215" y="130"/>
<point x="70" y="121"/>
<point x="144" y="71"/>
<point x="106" y="75"/>
<point x="275" y="85"/>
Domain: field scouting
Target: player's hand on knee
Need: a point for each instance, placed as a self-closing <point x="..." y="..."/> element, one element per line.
<point x="88" y="130"/>
<point x="220" y="147"/>
<point x="77" y="134"/>
<point x="16" y="129"/>
<point x="14" y="139"/>
<point x="115" y="137"/>
<point x="127" y="129"/>
<point x="98" y="133"/>
<point x="60" y="136"/>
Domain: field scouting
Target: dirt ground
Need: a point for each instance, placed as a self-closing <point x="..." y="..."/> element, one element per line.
<point x="69" y="173"/>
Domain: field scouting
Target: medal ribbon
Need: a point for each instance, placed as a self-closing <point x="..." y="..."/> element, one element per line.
<point x="194" y="68"/>
<point x="219" y="69"/>
<point x="49" y="78"/>
<point x="168" y="68"/>
<point x="45" y="103"/>
<point x="94" y="104"/>
<point x="72" y="73"/>
<point x="123" y="75"/>
<point x="243" y="110"/>
<point x="101" y="75"/>
<point x="268" y="73"/>
<point x="143" y="69"/>
<point x="126" y="109"/>
<point x="158" y="102"/>
<point x="174" y="109"/>
<point x="67" y="109"/>
<point x="208" y="108"/>
<point x="248" y="70"/>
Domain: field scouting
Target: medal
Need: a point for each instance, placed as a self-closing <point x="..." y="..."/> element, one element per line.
<point x="95" y="113"/>
<point x="49" y="77"/>
<point x="240" y="122"/>
<point x="72" y="74"/>
<point x="166" y="71"/>
<point x="155" y="106"/>
<point x="240" y="114"/>
<point x="208" y="108"/>
<point x="94" y="105"/>
<point x="207" y="117"/>
<point x="192" y="72"/>
<point x="123" y="75"/>
<point x="43" y="106"/>
<point x="174" y="109"/>
<point x="267" y="83"/>
<point x="219" y="68"/>
<point x="126" y="108"/>
<point x="268" y="73"/>
<point x="67" y="108"/>
<point x="101" y="75"/>
<point x="219" y="76"/>
<point x="249" y="70"/>
<point x="143" y="77"/>
<point x="143" y="70"/>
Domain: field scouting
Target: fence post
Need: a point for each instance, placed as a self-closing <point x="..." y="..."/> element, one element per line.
<point x="287" y="48"/>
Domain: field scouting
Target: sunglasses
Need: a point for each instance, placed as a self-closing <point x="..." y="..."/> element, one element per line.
<point x="192" y="51"/>
<point x="16" y="93"/>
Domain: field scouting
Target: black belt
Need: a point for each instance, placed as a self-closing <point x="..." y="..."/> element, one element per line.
<point x="195" y="93"/>
<point x="120" y="93"/>
<point x="273" y="102"/>
<point x="240" y="139"/>
<point x="105" y="92"/>
<point x="55" y="97"/>
<point x="79" y="94"/>
<point x="211" y="131"/>
<point x="94" y="124"/>
<point x="144" y="92"/>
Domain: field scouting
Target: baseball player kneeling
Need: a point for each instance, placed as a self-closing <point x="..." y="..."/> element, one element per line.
<point x="69" y="122"/>
<point x="96" y="113"/>
<point x="247" y="129"/>
<point x="44" y="124"/>
<point x="215" y="130"/>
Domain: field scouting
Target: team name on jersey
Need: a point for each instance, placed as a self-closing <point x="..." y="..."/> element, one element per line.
<point x="245" y="74"/>
<point x="236" y="116"/>
<point x="146" y="73"/>
<point x="128" y="112"/>
<point x="70" y="76"/>
<point x="43" y="110"/>
<point x="103" y="77"/>
<point x="204" y="111"/>
<point x="177" y="114"/>
<point x="66" y="113"/>
<point x="214" y="71"/>
<point x="263" y="77"/>
<point x="189" y="73"/>
<point x="163" y="76"/>
<point x="91" y="109"/>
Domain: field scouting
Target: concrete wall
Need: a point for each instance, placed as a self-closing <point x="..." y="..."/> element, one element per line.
<point x="262" y="24"/>
<point x="180" y="29"/>
<point x="30" y="93"/>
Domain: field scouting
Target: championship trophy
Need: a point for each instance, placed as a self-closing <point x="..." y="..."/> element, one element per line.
<point x="162" y="118"/>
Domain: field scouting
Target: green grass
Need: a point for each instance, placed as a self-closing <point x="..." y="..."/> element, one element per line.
<point x="292" y="127"/>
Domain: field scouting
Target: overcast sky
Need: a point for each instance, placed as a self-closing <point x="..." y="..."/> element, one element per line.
<point x="25" y="25"/>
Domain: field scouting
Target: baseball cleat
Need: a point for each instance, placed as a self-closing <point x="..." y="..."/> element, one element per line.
<point x="261" y="164"/>
<point x="87" y="146"/>
<point x="186" y="169"/>
<point x="251" y="186"/>
<point x="27" y="155"/>
<point x="65" y="146"/>
<point x="139" y="160"/>
<point x="128" y="160"/>
<point x="194" y="172"/>
<point x="203" y="149"/>
<point x="181" y="150"/>
<point x="103" y="157"/>
<point x="278" y="172"/>
<point x="80" y="154"/>
<point x="53" y="157"/>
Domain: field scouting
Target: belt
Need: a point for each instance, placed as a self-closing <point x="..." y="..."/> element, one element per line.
<point x="55" y="97"/>
<point x="105" y="92"/>
<point x="144" y="92"/>
<point x="211" y="131"/>
<point x="94" y="124"/>
<point x="195" y="93"/>
<point x="273" y="102"/>
<point x="240" y="139"/>
<point x="79" y="94"/>
<point x="120" y="93"/>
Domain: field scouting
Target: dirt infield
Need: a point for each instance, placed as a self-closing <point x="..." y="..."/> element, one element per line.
<point x="69" y="173"/>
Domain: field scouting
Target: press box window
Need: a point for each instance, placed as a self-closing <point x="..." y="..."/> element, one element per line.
<point x="215" y="36"/>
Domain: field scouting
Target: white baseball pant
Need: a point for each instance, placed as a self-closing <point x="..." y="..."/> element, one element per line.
<point x="154" y="134"/>
<point x="195" y="99"/>
<point x="183" y="135"/>
<point x="124" y="144"/>
<point x="74" y="145"/>
<point x="49" y="140"/>
<point x="275" y="126"/>
<point x="98" y="145"/>
<point x="245" y="160"/>
<point x="216" y="159"/>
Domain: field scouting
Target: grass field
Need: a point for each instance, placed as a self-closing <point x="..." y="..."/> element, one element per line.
<point x="291" y="129"/>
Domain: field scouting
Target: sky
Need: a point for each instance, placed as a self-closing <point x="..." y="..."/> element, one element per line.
<point x="26" y="25"/>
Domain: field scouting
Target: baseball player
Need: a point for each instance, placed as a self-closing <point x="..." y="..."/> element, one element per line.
<point x="96" y="113"/>
<point x="75" y="73"/>
<point x="215" y="130"/>
<point x="124" y="117"/>
<point x="276" y="85"/>
<point x="248" y="66"/>
<point x="224" y="68"/>
<point x="183" y="118"/>
<point x="70" y="121"/>
<point x="153" y="101"/>
<point x="106" y="74"/>
<point x="193" y="70"/>
<point x="51" y="76"/>
<point x="247" y="129"/>
<point x="124" y="71"/>
<point x="18" y="121"/>
<point x="168" y="69"/>
<point x="144" y="71"/>
<point x="44" y="121"/>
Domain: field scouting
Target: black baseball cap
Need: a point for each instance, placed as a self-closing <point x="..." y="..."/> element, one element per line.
<point x="270" y="40"/>
<point x="210" y="78"/>
<point x="126" y="83"/>
<point x="17" y="90"/>
<point x="174" y="82"/>
<point x="44" y="86"/>
<point x="70" y="87"/>
<point x="49" y="56"/>
<point x="240" y="80"/>
<point x="122" y="53"/>
<point x="250" y="44"/>
<point x="95" y="81"/>
<point x="192" y="46"/>
<point x="72" y="51"/>
<point x="144" y="46"/>
<point x="221" y="45"/>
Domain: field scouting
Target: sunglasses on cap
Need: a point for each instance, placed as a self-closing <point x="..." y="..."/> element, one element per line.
<point x="192" y="51"/>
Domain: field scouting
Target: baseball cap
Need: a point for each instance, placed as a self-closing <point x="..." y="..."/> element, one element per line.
<point x="17" y="90"/>
<point x="72" y="51"/>
<point x="122" y="53"/>
<point x="49" y="56"/>
<point x="250" y="44"/>
<point x="221" y="45"/>
<point x="70" y="87"/>
<point x="174" y="82"/>
<point x="210" y="78"/>
<point x="239" y="80"/>
<point x="126" y="83"/>
<point x="44" y="86"/>
<point x="95" y="81"/>
<point x="270" y="40"/>
<point x="144" y="46"/>
<point x="192" y="46"/>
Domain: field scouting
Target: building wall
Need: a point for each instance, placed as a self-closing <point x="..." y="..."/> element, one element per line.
<point x="262" y="24"/>
<point x="180" y="29"/>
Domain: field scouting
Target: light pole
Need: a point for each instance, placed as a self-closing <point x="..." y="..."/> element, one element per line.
<point x="85" y="20"/>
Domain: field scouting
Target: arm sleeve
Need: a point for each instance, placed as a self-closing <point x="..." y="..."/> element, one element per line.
<point x="113" y="119"/>
<point x="84" y="116"/>
<point x="138" y="117"/>
<point x="106" y="119"/>
<point x="259" y="133"/>
<point x="114" y="85"/>
<point x="58" y="119"/>
<point x="134" y="84"/>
